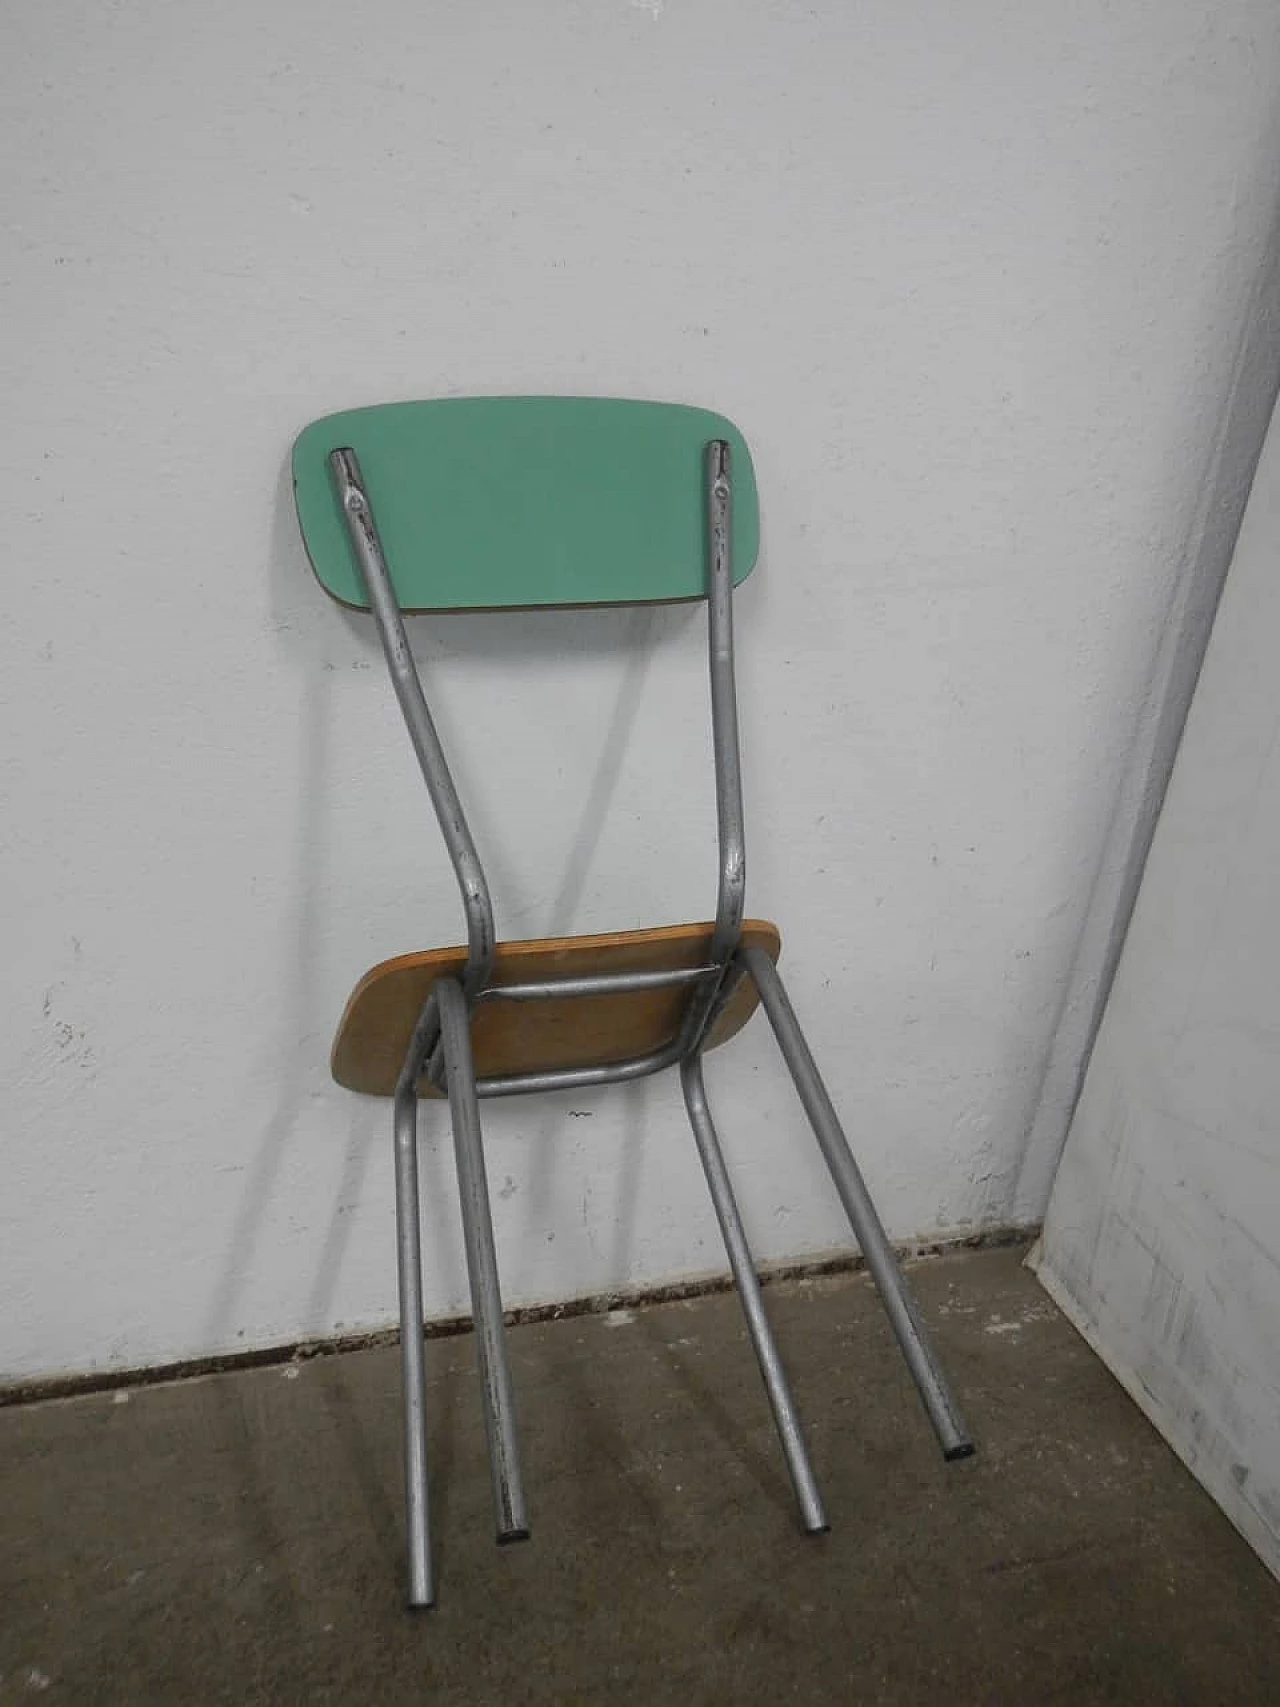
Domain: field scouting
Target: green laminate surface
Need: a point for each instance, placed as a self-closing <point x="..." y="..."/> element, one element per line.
<point x="485" y="502"/>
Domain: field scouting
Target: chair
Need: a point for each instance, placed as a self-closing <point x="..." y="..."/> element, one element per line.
<point x="484" y="503"/>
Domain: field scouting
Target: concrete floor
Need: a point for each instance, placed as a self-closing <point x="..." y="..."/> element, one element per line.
<point x="238" y="1538"/>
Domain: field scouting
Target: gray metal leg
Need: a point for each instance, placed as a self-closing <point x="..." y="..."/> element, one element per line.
<point x="900" y="1306"/>
<point x="482" y="1266"/>
<point x="413" y="1373"/>
<point x="744" y="1274"/>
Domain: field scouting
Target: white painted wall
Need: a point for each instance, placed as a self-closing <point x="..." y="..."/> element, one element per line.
<point x="1163" y="1233"/>
<point x="973" y="280"/>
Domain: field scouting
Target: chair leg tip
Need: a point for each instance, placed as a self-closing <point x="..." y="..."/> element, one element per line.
<point x="954" y="1454"/>
<point x="507" y="1536"/>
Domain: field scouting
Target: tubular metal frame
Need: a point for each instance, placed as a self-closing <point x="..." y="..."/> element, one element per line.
<point x="441" y="1050"/>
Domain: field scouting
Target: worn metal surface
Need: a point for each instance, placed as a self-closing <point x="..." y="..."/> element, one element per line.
<point x="731" y="889"/>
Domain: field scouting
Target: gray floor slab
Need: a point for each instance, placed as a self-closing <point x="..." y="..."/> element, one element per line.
<point x="238" y="1538"/>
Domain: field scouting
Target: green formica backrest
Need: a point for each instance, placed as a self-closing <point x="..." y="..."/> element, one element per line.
<point x="485" y="502"/>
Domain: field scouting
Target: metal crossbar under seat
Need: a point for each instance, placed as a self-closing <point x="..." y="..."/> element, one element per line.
<point x="568" y="1012"/>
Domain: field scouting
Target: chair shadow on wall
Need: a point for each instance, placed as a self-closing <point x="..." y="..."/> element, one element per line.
<point x="312" y="631"/>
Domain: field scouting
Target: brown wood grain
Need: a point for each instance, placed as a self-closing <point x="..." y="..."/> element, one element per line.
<point x="524" y="1037"/>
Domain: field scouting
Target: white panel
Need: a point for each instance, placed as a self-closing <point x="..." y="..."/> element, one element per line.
<point x="1163" y="1233"/>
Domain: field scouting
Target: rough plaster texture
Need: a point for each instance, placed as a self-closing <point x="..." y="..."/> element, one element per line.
<point x="1163" y="1234"/>
<point x="974" y="284"/>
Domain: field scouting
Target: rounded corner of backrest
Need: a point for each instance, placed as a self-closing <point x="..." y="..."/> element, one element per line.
<point x="300" y="452"/>
<point x="299" y="439"/>
<point x="314" y="504"/>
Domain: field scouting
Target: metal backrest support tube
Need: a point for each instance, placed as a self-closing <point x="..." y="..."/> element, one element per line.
<point x="732" y="893"/>
<point x="362" y="530"/>
<point x="731" y="901"/>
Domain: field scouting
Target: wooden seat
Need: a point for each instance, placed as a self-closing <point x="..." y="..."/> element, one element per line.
<point x="523" y="1037"/>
